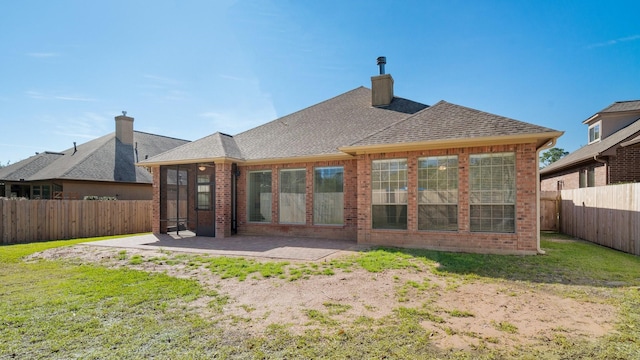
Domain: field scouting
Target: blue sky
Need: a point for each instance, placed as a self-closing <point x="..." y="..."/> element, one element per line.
<point x="187" y="69"/>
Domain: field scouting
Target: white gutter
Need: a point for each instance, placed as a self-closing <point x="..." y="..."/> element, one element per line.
<point x="606" y="166"/>
<point x="549" y="145"/>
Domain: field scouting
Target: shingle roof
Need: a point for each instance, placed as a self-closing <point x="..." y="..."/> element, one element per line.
<point x="587" y="152"/>
<point x="101" y="159"/>
<point x="617" y="106"/>
<point x="317" y="130"/>
<point x="446" y="121"/>
<point x="635" y="140"/>
<point x="325" y="129"/>
<point x="214" y="146"/>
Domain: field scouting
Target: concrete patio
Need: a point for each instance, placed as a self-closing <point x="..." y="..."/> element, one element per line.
<point x="290" y="248"/>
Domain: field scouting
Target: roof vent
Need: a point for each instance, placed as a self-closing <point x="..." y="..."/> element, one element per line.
<point x="382" y="61"/>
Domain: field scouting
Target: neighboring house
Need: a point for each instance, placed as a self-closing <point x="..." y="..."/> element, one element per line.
<point x="101" y="167"/>
<point x="365" y="166"/>
<point x="611" y="156"/>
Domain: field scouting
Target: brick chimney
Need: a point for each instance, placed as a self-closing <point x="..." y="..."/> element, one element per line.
<point x="124" y="128"/>
<point x="381" y="86"/>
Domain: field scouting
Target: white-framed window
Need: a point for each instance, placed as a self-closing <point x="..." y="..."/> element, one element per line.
<point x="293" y="196"/>
<point x="587" y="177"/>
<point x="594" y="132"/>
<point x="438" y="193"/>
<point x="328" y="195"/>
<point x="591" y="177"/>
<point x="259" y="196"/>
<point x="389" y="194"/>
<point x="492" y="192"/>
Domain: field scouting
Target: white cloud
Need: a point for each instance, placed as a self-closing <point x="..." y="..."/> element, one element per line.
<point x="73" y="98"/>
<point x="66" y="97"/>
<point x="162" y="79"/>
<point x="234" y="78"/>
<point x="43" y="54"/>
<point x="615" y="41"/>
<point x="238" y="119"/>
<point x="85" y="126"/>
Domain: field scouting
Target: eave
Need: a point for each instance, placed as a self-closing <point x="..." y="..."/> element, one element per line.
<point x="228" y="160"/>
<point x="217" y="160"/>
<point x="300" y="159"/>
<point x="541" y="139"/>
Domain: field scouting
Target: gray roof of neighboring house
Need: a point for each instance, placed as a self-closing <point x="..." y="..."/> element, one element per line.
<point x="350" y="120"/>
<point x="635" y="140"/>
<point x="587" y="152"/>
<point x="446" y="121"/>
<point x="617" y="106"/>
<point x="101" y="159"/>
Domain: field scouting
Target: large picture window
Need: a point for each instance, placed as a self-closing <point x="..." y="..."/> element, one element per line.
<point x="492" y="193"/>
<point x="259" y="205"/>
<point x="389" y="194"/>
<point x="438" y="193"/>
<point x="328" y="196"/>
<point x="293" y="196"/>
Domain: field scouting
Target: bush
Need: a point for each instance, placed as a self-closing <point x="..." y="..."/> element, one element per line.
<point x="93" y="197"/>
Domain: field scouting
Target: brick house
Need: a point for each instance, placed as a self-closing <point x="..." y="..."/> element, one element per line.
<point x="611" y="156"/>
<point x="101" y="167"/>
<point x="367" y="166"/>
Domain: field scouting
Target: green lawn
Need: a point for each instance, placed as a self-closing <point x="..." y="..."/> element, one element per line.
<point x="61" y="310"/>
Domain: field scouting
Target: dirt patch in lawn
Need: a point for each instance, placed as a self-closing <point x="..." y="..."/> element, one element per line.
<point x="460" y="313"/>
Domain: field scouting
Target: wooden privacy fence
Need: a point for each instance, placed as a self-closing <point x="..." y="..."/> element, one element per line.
<point x="549" y="210"/>
<point x="606" y="215"/>
<point x="24" y="221"/>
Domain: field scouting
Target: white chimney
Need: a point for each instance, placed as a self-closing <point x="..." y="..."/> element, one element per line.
<point x="124" y="128"/>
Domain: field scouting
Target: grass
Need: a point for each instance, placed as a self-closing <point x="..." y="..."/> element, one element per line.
<point x="52" y="309"/>
<point x="58" y="309"/>
<point x="14" y="253"/>
<point x="505" y="326"/>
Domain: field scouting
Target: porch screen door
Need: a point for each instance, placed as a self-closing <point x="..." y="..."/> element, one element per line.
<point x="205" y="196"/>
<point x="177" y="199"/>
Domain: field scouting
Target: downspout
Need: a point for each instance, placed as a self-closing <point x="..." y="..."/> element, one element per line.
<point x="606" y="167"/>
<point x="234" y="197"/>
<point x="549" y="145"/>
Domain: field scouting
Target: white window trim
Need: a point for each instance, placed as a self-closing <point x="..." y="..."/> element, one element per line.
<point x="280" y="199"/>
<point x="599" y="125"/>
<point x="248" y="195"/>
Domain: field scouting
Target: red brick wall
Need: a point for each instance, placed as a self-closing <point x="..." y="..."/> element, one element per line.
<point x="524" y="240"/>
<point x="347" y="231"/>
<point x="357" y="207"/>
<point x="223" y="199"/>
<point x="570" y="178"/>
<point x="625" y="166"/>
<point x="155" y="211"/>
